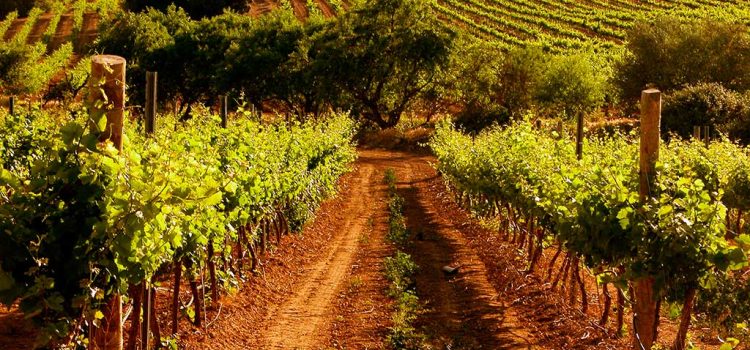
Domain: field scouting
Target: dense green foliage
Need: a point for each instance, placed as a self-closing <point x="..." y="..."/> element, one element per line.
<point x="705" y="104"/>
<point x="80" y="223"/>
<point x="363" y="60"/>
<point x="668" y="54"/>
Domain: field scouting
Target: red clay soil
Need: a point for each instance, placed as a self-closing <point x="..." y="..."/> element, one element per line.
<point x="15" y="332"/>
<point x="300" y="8"/>
<point x="463" y="311"/>
<point x="63" y="33"/>
<point x="39" y="28"/>
<point x="296" y="301"/>
<point x="14" y="28"/>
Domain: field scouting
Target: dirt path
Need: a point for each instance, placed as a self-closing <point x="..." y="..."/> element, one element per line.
<point x="305" y="317"/>
<point x="463" y="310"/>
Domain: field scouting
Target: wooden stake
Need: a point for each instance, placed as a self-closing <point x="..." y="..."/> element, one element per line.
<point x="579" y="136"/>
<point x="107" y="95"/>
<point x="12" y="105"/>
<point x="223" y="110"/>
<point x="151" y="98"/>
<point x="707" y="134"/>
<point x="646" y="307"/>
<point x="697" y="132"/>
<point x="146" y="316"/>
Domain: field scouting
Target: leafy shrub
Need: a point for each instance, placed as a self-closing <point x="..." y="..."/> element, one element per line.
<point x="475" y="118"/>
<point x="489" y="87"/>
<point x="571" y="85"/>
<point x="669" y="54"/>
<point x="703" y="104"/>
<point x="521" y="73"/>
<point x="147" y="41"/>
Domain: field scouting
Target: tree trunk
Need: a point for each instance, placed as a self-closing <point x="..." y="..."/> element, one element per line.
<point x="212" y="274"/>
<point x="551" y="267"/>
<point x="687" y="311"/>
<point x="645" y="314"/>
<point x="263" y="232"/>
<point x="136" y="292"/>
<point x="108" y="336"/>
<point x="607" y="305"/>
<point x="197" y="296"/>
<point x="176" y="296"/>
<point x="579" y="280"/>
<point x="563" y="272"/>
<point x="154" y="322"/>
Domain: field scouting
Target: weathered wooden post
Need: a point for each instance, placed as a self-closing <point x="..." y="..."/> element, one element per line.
<point x="12" y="105"/>
<point x="107" y="95"/>
<point x="579" y="136"/>
<point x="646" y="306"/>
<point x="707" y="134"/>
<point x="151" y="98"/>
<point x="697" y="132"/>
<point x="223" y="110"/>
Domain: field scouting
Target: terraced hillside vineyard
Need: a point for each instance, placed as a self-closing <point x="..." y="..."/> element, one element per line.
<point x="572" y="24"/>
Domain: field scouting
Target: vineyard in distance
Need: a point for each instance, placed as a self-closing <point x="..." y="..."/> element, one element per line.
<point x="375" y="174"/>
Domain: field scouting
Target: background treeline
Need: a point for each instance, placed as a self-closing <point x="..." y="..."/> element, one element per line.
<point x="373" y="60"/>
<point x="380" y="68"/>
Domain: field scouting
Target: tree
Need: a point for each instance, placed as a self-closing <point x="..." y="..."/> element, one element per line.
<point x="258" y="64"/>
<point x="147" y="41"/>
<point x="571" y="85"/>
<point x="382" y="54"/>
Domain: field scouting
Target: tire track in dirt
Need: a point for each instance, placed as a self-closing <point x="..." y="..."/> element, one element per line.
<point x="304" y="319"/>
<point x="463" y="311"/>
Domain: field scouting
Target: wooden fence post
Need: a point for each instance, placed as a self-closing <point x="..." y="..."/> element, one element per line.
<point x="223" y="110"/>
<point x="12" y="105"/>
<point x="107" y="95"/>
<point x="151" y="98"/>
<point x="697" y="132"/>
<point x="646" y="306"/>
<point x="707" y="134"/>
<point x="579" y="136"/>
